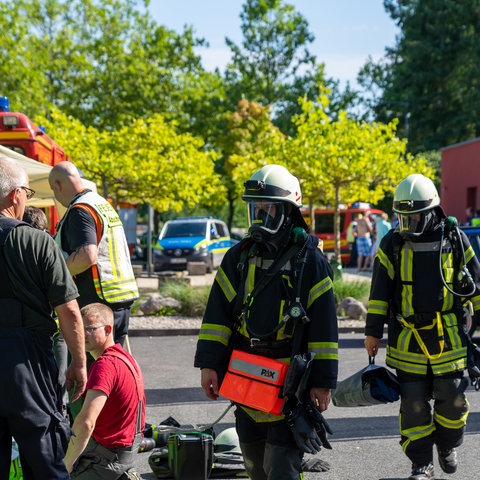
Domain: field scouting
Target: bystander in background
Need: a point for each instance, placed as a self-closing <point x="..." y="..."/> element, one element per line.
<point x="352" y="241"/>
<point x="35" y="217"/>
<point x="364" y="242"/>
<point x="382" y="226"/>
<point x="92" y="237"/>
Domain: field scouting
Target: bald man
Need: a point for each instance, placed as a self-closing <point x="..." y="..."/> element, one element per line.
<point x="33" y="280"/>
<point x="93" y="241"/>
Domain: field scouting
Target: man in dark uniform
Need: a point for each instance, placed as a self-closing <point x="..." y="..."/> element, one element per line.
<point x="293" y="310"/>
<point x="425" y="272"/>
<point x="33" y="280"/>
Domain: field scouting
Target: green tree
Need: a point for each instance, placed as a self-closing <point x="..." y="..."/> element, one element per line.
<point x="346" y="160"/>
<point x="105" y="63"/>
<point x="273" y="65"/>
<point x="432" y="75"/>
<point x="250" y="136"/>
<point x="144" y="162"/>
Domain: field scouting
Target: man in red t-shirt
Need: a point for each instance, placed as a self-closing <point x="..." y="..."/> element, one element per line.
<point x="107" y="431"/>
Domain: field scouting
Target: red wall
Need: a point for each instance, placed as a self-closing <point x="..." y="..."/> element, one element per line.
<point x="460" y="178"/>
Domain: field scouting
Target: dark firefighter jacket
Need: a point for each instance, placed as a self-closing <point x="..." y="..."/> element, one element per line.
<point x="268" y="309"/>
<point x="425" y="320"/>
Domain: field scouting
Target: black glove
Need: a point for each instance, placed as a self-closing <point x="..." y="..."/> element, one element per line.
<point x="320" y="424"/>
<point x="473" y="363"/>
<point x="303" y="430"/>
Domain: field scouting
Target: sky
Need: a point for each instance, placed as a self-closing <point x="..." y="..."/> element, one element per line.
<point x="346" y="32"/>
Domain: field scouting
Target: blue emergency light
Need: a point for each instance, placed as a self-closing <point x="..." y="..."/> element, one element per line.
<point x="4" y="104"/>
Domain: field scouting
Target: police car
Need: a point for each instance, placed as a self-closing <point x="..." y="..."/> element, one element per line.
<point x="191" y="239"/>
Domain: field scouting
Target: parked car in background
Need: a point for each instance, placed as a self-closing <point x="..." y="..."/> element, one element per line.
<point x="191" y="239"/>
<point x="324" y="225"/>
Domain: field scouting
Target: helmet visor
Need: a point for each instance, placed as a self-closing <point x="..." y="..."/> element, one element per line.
<point x="413" y="224"/>
<point x="265" y="215"/>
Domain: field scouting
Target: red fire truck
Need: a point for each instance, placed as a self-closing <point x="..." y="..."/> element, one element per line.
<point x="21" y="135"/>
<point x="324" y="225"/>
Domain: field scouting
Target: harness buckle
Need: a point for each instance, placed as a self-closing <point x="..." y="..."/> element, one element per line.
<point x="252" y="341"/>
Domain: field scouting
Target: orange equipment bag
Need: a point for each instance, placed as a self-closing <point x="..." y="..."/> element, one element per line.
<point x="255" y="381"/>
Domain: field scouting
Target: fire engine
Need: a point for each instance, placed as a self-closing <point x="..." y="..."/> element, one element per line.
<point x="20" y="134"/>
<point x="324" y="225"/>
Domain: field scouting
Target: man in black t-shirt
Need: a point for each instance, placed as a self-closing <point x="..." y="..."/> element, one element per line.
<point x="93" y="241"/>
<point x="33" y="280"/>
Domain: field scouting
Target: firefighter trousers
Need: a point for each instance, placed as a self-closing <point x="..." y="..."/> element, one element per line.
<point x="421" y="426"/>
<point x="269" y="449"/>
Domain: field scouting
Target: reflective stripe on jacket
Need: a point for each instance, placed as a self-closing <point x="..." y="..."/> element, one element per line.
<point x="267" y="310"/>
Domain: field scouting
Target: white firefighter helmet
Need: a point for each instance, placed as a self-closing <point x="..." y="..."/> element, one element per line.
<point x="274" y="183"/>
<point x="272" y="194"/>
<point x="227" y="442"/>
<point x="414" y="200"/>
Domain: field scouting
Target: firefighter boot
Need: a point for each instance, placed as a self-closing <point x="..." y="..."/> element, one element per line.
<point x="421" y="472"/>
<point x="447" y="459"/>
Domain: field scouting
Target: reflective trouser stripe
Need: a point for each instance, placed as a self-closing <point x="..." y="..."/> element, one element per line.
<point x="415" y="433"/>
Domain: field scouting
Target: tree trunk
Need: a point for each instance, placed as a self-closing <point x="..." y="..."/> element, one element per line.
<point x="336" y="226"/>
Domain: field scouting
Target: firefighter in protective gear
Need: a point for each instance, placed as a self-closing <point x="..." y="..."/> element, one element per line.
<point x="425" y="272"/>
<point x="247" y="313"/>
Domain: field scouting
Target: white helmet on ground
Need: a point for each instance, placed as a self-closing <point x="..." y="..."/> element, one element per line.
<point x="227" y="442"/>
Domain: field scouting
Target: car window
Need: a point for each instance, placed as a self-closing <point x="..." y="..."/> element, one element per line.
<point x="324" y="222"/>
<point x="221" y="230"/>
<point x="184" y="229"/>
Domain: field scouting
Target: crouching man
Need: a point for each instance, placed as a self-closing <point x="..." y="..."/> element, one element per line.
<point x="107" y="431"/>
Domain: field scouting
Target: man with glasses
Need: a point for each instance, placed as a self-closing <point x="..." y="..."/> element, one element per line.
<point x="107" y="431"/>
<point x="33" y="280"/>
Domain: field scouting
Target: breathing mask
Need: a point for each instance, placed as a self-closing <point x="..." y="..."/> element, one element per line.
<point x="265" y="219"/>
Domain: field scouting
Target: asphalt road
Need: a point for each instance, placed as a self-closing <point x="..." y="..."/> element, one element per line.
<point x="365" y="439"/>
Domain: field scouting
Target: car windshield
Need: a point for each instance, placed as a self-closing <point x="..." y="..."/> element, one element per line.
<point x="186" y="229"/>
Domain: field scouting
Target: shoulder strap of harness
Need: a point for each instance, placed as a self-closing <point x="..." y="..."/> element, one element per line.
<point x="292" y="252"/>
<point x="135" y="369"/>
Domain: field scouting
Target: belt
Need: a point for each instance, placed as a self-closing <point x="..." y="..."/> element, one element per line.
<point x="424" y="319"/>
<point x="265" y="348"/>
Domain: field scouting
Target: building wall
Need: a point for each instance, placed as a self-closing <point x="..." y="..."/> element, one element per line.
<point x="460" y="178"/>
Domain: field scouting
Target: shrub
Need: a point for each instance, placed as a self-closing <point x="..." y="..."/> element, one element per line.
<point x="194" y="299"/>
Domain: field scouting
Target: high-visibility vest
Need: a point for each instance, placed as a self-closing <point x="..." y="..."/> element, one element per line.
<point x="113" y="275"/>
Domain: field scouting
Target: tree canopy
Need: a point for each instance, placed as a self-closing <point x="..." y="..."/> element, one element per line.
<point x="431" y="77"/>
